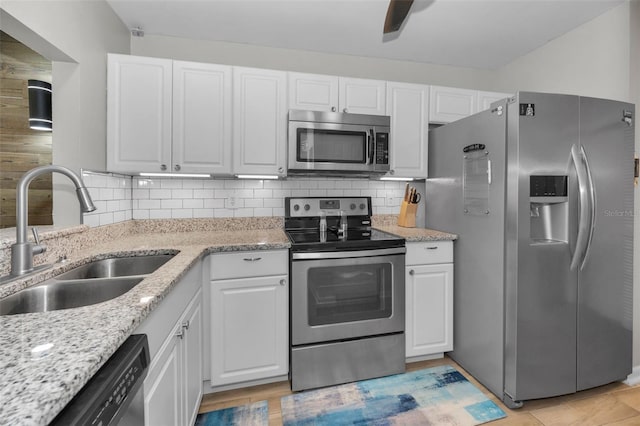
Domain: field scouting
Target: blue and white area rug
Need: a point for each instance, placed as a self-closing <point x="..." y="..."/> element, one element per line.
<point x="256" y="414"/>
<point x="434" y="396"/>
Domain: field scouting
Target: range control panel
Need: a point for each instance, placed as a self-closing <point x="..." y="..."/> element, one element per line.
<point x="314" y="206"/>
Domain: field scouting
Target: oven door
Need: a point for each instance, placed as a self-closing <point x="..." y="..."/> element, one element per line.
<point x="346" y="295"/>
<point x="330" y="147"/>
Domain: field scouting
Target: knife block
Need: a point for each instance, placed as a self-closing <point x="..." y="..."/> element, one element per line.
<point x="407" y="218"/>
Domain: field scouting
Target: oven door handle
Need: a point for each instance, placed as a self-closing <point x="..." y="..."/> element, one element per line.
<point x="347" y="254"/>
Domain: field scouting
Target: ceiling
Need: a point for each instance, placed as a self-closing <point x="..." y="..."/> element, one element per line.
<point x="485" y="34"/>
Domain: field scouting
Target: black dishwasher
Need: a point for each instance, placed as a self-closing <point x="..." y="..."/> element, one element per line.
<point x="107" y="397"/>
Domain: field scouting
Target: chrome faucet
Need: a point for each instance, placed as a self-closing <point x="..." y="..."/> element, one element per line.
<point x="22" y="251"/>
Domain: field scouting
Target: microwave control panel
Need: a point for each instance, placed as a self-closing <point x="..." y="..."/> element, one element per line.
<point x="382" y="148"/>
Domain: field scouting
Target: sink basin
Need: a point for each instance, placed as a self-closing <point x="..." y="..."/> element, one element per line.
<point x="95" y="282"/>
<point x="53" y="294"/>
<point x="117" y="267"/>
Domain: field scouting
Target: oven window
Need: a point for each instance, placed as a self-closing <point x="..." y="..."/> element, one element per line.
<point x="333" y="146"/>
<point x="349" y="293"/>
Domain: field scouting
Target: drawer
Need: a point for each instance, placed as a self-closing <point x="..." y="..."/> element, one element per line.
<point x="423" y="253"/>
<point x="249" y="264"/>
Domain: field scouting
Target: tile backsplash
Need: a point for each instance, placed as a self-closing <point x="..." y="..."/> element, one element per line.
<point x="121" y="198"/>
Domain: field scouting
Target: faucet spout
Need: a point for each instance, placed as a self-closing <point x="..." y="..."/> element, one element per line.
<point x="22" y="251"/>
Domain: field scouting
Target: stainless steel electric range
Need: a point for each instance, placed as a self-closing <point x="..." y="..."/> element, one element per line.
<point x="347" y="293"/>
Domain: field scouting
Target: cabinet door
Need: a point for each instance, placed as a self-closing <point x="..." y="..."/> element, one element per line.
<point x="313" y="92"/>
<point x="162" y="387"/>
<point x="429" y="309"/>
<point x="249" y="329"/>
<point x="485" y="99"/>
<point x="201" y="118"/>
<point x="138" y="114"/>
<point x="408" y="106"/>
<point x="362" y="96"/>
<point x="192" y="355"/>
<point x="449" y="104"/>
<point x="259" y="121"/>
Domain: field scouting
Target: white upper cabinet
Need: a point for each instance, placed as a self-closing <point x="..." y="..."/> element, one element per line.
<point x="485" y="99"/>
<point x="315" y="92"/>
<point x="329" y="93"/>
<point x="259" y="121"/>
<point x="362" y="96"/>
<point x="168" y="116"/>
<point x="450" y="104"/>
<point x="138" y="114"/>
<point x="201" y="118"/>
<point x="408" y="106"/>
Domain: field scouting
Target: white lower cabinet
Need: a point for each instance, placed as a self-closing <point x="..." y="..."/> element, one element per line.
<point x="249" y="317"/>
<point x="429" y="299"/>
<point x="173" y="386"/>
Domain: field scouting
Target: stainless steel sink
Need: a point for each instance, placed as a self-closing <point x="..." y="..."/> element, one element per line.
<point x="53" y="294"/>
<point x="117" y="267"/>
<point x="95" y="282"/>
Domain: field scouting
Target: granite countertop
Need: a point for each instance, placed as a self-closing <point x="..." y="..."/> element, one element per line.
<point x="417" y="234"/>
<point x="46" y="358"/>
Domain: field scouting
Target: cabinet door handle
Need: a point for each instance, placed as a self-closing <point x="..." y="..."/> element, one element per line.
<point x="280" y="169"/>
<point x="163" y="167"/>
<point x="252" y="259"/>
<point x="344" y="110"/>
<point x="180" y="333"/>
<point x="333" y="109"/>
<point x="283" y="281"/>
<point x="185" y="325"/>
<point x="431" y="248"/>
<point x="177" y="167"/>
<point x="411" y="272"/>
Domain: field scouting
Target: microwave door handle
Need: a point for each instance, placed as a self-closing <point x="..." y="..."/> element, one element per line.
<point x="371" y="145"/>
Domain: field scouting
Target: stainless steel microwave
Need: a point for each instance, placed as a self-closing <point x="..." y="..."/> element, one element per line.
<point x="333" y="143"/>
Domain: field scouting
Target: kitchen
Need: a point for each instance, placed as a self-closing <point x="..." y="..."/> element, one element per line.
<point x="87" y="123"/>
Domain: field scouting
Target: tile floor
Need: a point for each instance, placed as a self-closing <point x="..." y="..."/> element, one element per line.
<point x="615" y="404"/>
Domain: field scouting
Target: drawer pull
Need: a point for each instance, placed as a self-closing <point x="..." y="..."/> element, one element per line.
<point x="252" y="259"/>
<point x="283" y="281"/>
<point x="180" y="333"/>
<point x="185" y="325"/>
<point x="431" y="248"/>
<point x="411" y="272"/>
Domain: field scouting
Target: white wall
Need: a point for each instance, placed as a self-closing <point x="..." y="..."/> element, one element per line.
<point x="84" y="31"/>
<point x="306" y="61"/>
<point x="592" y="60"/>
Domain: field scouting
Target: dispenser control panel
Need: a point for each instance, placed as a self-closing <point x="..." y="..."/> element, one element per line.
<point x="548" y="186"/>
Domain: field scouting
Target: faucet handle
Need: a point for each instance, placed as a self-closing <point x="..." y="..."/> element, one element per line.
<point x="36" y="236"/>
<point x="37" y="248"/>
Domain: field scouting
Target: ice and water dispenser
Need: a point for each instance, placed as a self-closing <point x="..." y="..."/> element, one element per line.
<point x="549" y="208"/>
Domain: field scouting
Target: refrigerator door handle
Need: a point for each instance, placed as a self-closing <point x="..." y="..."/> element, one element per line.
<point x="592" y="206"/>
<point x="584" y="221"/>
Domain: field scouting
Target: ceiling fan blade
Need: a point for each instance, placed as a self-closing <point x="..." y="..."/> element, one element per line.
<point x="396" y="14"/>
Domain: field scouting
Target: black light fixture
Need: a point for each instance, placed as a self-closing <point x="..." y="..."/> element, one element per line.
<point x="40" y="105"/>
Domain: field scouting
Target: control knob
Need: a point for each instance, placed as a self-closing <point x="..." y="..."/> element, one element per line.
<point x="307" y="207"/>
<point x="296" y="207"/>
<point x="362" y="206"/>
<point x="353" y="206"/>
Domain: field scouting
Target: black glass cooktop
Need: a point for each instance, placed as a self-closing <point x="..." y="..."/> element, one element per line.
<point x="309" y="239"/>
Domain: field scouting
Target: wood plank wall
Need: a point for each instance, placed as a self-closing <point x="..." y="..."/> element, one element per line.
<point x="21" y="148"/>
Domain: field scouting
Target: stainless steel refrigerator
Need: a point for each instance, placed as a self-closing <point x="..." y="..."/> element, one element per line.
<point x="540" y="191"/>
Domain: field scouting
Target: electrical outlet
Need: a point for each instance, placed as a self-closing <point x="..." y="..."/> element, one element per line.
<point x="232" y="202"/>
